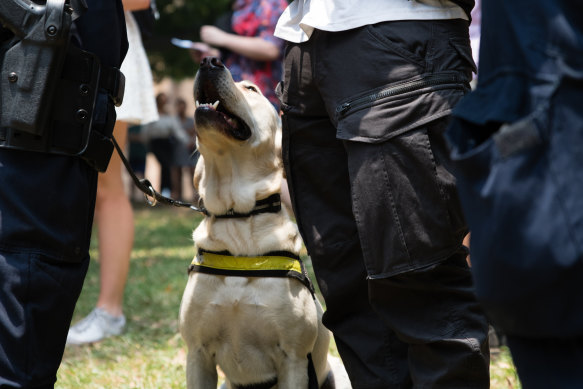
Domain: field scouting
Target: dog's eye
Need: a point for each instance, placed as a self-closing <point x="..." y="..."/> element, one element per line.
<point x="251" y="88"/>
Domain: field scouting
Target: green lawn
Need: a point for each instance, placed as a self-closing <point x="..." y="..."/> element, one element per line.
<point x="151" y="353"/>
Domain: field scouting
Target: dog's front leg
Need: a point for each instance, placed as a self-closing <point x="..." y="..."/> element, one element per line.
<point x="201" y="372"/>
<point x="293" y="374"/>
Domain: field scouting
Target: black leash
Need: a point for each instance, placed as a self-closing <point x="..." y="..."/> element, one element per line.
<point x="149" y="192"/>
<point x="271" y="204"/>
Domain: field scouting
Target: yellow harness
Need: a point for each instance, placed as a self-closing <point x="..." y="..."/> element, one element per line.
<point x="276" y="264"/>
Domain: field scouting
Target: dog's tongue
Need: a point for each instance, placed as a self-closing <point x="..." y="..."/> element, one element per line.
<point x="210" y="110"/>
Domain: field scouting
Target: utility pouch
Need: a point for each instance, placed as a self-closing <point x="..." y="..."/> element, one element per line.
<point x="32" y="62"/>
<point x="54" y="97"/>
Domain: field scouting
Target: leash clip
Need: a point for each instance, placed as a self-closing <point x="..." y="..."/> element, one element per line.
<point x="153" y="195"/>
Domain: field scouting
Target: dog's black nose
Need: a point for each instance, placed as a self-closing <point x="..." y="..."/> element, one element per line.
<point x="211" y="62"/>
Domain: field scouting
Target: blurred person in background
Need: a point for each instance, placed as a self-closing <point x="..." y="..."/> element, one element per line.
<point x="244" y="40"/>
<point x="138" y="152"/>
<point x="185" y="155"/>
<point x="161" y="137"/>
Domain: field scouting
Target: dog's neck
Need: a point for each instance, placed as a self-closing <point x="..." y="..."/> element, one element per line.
<point x="225" y="184"/>
<point x="229" y="183"/>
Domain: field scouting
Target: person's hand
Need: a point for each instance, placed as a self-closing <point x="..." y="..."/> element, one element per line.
<point x="135" y="5"/>
<point x="214" y="36"/>
<point x="201" y="50"/>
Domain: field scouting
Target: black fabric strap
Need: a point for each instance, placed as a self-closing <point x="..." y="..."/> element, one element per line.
<point x="271" y="204"/>
<point x="113" y="81"/>
<point x="275" y="253"/>
<point x="312" y="377"/>
<point x="264" y="385"/>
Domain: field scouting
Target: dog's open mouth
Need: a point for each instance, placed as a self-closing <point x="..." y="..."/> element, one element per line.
<point x="214" y="113"/>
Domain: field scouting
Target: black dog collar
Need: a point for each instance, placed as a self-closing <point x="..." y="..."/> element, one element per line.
<point x="271" y="204"/>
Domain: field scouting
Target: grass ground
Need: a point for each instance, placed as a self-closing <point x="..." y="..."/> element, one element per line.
<point x="151" y="353"/>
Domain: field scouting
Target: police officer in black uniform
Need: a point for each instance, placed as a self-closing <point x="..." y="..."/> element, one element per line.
<point x="47" y="193"/>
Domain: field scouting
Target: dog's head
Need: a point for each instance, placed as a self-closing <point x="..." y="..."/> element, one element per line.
<point x="238" y="135"/>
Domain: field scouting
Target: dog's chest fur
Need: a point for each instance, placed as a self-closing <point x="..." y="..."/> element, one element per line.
<point x="264" y="233"/>
<point x="243" y="325"/>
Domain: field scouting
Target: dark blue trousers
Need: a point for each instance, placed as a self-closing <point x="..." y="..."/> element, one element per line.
<point x="46" y="213"/>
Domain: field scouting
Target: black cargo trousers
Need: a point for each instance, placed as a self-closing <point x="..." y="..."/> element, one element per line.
<point x="364" y="111"/>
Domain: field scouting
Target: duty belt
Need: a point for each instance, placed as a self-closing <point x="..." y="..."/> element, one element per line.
<point x="54" y="97"/>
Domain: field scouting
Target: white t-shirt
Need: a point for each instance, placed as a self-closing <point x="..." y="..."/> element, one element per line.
<point x="301" y="17"/>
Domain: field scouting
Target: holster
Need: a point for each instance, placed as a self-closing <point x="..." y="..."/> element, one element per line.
<point x="54" y="97"/>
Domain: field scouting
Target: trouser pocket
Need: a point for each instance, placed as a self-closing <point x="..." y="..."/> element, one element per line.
<point x="404" y="201"/>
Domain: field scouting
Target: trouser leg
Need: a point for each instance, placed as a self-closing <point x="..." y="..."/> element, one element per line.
<point x="383" y="209"/>
<point x="434" y="310"/>
<point x="36" y="307"/>
<point x="426" y="321"/>
<point x="548" y="363"/>
<point x="426" y="296"/>
<point x="318" y="179"/>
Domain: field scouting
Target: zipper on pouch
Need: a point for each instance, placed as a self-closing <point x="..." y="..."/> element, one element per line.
<point x="409" y="86"/>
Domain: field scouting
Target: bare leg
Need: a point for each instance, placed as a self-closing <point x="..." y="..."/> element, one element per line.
<point x="115" y="223"/>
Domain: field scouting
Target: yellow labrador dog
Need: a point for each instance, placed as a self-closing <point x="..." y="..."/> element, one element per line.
<point x="247" y="306"/>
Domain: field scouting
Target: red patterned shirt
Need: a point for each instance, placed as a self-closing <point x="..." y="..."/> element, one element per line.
<point x="257" y="18"/>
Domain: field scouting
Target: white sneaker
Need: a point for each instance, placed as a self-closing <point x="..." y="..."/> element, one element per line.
<point x="97" y="326"/>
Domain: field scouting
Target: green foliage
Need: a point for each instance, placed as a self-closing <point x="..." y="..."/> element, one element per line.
<point x="181" y="19"/>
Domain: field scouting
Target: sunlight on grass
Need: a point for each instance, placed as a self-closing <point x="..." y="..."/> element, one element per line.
<point x="151" y="354"/>
<point x="502" y="372"/>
